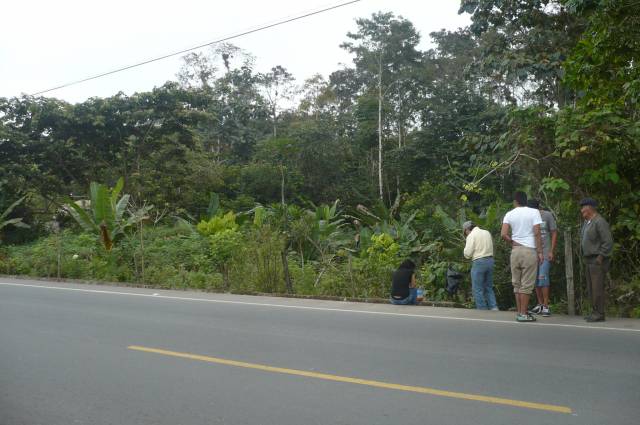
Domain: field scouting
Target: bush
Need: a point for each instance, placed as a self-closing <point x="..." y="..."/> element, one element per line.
<point x="40" y="258"/>
<point x="218" y="224"/>
<point x="303" y="277"/>
<point x="261" y="267"/>
<point x="179" y="257"/>
<point x="370" y="274"/>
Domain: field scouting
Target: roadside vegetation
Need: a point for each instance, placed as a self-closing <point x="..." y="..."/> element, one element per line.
<point x="229" y="179"/>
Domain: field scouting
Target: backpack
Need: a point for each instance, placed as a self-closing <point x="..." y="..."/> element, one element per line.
<point x="454" y="279"/>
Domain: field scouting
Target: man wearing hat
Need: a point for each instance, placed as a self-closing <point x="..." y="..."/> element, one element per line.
<point x="596" y="243"/>
<point x="479" y="248"/>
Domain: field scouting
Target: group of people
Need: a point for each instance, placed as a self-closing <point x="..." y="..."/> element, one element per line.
<point x="532" y="233"/>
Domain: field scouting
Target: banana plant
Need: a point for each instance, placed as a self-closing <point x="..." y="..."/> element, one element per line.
<point x="106" y="216"/>
<point x="16" y="222"/>
<point x="391" y="221"/>
<point x="327" y="230"/>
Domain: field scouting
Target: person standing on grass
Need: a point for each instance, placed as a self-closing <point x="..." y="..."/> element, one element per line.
<point x="596" y="243"/>
<point x="479" y="248"/>
<point x="403" y="287"/>
<point x="549" y="235"/>
<point x="521" y="229"/>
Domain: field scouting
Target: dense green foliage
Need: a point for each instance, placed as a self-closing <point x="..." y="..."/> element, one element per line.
<point x="234" y="175"/>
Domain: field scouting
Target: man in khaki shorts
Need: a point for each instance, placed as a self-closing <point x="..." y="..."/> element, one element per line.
<point x="521" y="229"/>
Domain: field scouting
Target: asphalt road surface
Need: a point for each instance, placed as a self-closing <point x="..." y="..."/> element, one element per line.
<point x="85" y="354"/>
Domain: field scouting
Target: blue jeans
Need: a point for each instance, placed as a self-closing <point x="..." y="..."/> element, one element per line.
<point x="482" y="283"/>
<point x="543" y="274"/>
<point x="411" y="299"/>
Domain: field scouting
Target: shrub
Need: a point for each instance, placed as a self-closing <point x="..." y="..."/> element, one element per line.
<point x="261" y="268"/>
<point x="225" y="246"/>
<point x="217" y="224"/>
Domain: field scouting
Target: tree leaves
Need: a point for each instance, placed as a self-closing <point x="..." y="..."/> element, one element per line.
<point x="107" y="212"/>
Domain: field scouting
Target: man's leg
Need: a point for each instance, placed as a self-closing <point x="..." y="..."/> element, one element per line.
<point x="589" y="288"/>
<point x="516" y="276"/>
<point x="488" y="289"/>
<point x="545" y="295"/>
<point x="598" y="276"/>
<point x="529" y="275"/>
<point x="542" y="288"/>
<point x="524" y="303"/>
<point x="542" y="282"/>
<point x="539" y="295"/>
<point x="537" y="309"/>
<point x="413" y="296"/>
<point x="539" y="300"/>
<point x="477" y="277"/>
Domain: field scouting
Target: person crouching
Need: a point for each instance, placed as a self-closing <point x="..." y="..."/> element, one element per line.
<point x="403" y="287"/>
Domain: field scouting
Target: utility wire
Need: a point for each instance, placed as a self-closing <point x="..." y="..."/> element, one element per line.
<point x="261" y="28"/>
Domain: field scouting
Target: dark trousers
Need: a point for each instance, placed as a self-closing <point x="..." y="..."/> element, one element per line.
<point x="596" y="278"/>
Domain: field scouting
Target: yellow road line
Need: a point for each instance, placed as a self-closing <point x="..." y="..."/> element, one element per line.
<point x="377" y="384"/>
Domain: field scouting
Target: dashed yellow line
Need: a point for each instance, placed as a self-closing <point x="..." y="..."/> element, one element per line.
<point x="358" y="381"/>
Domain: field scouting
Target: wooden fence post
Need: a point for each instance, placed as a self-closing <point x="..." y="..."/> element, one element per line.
<point x="568" y="266"/>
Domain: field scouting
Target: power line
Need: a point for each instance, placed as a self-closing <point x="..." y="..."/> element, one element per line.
<point x="264" y="27"/>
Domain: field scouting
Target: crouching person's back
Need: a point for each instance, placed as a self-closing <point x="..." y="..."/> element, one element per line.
<point x="403" y="287"/>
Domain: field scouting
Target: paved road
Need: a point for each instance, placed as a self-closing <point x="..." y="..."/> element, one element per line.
<point x="82" y="354"/>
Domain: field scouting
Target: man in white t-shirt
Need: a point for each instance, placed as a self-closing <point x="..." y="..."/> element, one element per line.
<point x="521" y="229"/>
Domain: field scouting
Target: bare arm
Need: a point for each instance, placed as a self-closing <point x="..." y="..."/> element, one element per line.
<point x="504" y="233"/>
<point x="413" y="281"/>
<point x="554" y="242"/>
<point x="538" y="235"/>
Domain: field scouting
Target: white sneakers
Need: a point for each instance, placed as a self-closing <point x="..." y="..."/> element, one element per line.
<point x="541" y="309"/>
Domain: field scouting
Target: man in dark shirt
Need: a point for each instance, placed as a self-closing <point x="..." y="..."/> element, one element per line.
<point x="596" y="243"/>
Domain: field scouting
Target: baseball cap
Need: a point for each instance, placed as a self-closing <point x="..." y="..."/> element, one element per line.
<point x="589" y="201"/>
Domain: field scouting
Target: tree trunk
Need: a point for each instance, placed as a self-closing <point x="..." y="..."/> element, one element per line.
<point x="225" y="277"/>
<point x="282" y="187"/>
<point x="285" y="212"/>
<point x="399" y="147"/>
<point x="380" y="127"/>
<point x="285" y="269"/>
<point x="275" y="118"/>
<point x="59" y="252"/>
<point x="141" y="254"/>
<point x="568" y="264"/>
<point x="353" y="284"/>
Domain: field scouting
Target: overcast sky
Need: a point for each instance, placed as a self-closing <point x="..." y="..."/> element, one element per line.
<point x="46" y="43"/>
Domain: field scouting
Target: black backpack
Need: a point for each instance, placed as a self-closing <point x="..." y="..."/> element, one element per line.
<point x="454" y="279"/>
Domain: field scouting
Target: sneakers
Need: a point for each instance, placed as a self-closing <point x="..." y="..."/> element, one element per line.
<point x="536" y="310"/>
<point x="525" y="318"/>
<point x="541" y="309"/>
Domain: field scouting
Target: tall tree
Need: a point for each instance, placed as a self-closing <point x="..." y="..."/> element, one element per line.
<point x="523" y="44"/>
<point x="385" y="53"/>
<point x="278" y="88"/>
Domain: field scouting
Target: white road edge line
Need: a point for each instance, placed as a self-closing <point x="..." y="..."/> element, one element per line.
<point x="300" y="307"/>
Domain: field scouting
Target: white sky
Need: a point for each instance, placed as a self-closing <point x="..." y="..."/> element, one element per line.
<point x="46" y="43"/>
